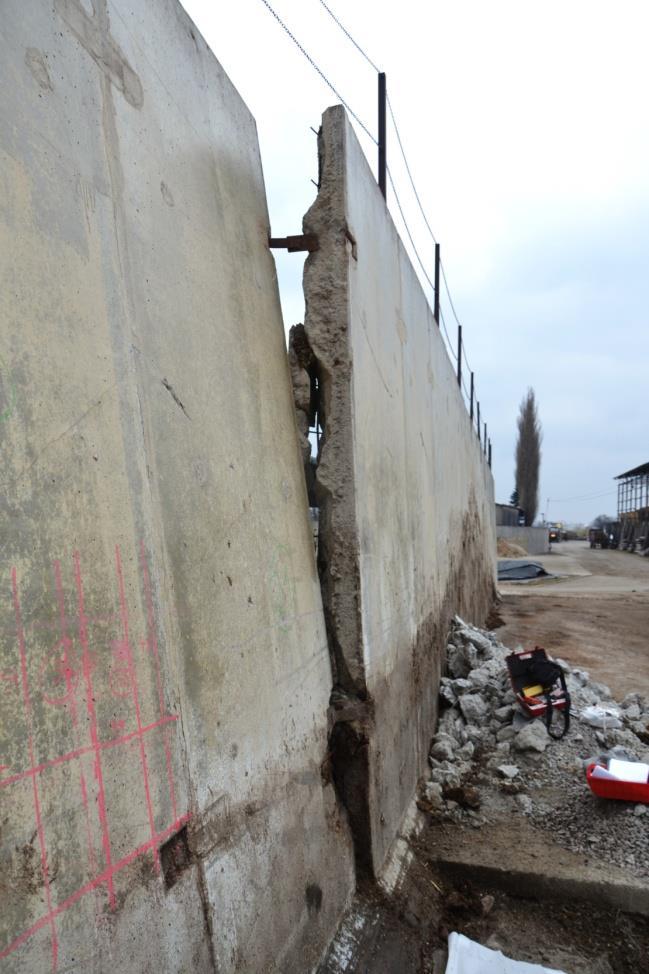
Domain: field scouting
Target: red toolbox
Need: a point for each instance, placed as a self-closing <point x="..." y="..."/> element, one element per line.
<point x="627" y="791"/>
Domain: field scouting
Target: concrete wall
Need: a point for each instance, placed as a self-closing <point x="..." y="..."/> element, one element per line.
<point x="407" y="532"/>
<point x="506" y="514"/>
<point x="164" y="676"/>
<point x="535" y="541"/>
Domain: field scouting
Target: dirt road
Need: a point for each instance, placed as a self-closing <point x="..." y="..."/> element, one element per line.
<point x="596" y="617"/>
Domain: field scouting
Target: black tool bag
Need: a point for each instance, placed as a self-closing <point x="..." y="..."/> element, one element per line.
<point x="540" y="687"/>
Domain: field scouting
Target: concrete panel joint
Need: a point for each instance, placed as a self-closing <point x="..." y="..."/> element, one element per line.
<point x="405" y="495"/>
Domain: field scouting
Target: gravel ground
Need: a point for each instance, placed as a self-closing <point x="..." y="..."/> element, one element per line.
<point x="489" y="763"/>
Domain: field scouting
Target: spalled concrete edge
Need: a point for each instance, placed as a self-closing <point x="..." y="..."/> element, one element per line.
<point x="327" y="331"/>
<point x="625" y="895"/>
<point x="321" y="367"/>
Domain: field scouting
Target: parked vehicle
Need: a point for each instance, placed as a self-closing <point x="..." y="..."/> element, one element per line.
<point x="598" y="538"/>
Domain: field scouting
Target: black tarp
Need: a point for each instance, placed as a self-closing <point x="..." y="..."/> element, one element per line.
<point x="519" y="569"/>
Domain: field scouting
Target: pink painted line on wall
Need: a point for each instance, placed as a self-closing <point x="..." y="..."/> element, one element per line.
<point x="30" y="743"/>
<point x="92" y="717"/>
<point x="104" y="877"/>
<point x="152" y="642"/>
<point x="136" y="700"/>
<point x="87" y="749"/>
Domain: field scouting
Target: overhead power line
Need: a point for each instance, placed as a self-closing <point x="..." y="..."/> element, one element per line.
<point x="408" y="171"/>
<point x="412" y="242"/>
<point x="392" y="115"/>
<point x="402" y="150"/>
<point x="320" y="72"/>
<point x="583" y="497"/>
<point x="349" y="37"/>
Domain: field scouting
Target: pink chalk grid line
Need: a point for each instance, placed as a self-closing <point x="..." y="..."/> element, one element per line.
<point x="128" y="688"/>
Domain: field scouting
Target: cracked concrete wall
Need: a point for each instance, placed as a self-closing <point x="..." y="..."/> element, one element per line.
<point x="407" y="534"/>
<point x="164" y="670"/>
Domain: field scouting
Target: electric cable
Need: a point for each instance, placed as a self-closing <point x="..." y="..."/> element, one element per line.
<point x="349" y="37"/>
<point x="320" y="72"/>
<point x="392" y="115"/>
<point x="412" y="242"/>
<point x="583" y="497"/>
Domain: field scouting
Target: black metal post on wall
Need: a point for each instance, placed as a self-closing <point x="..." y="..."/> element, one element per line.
<point x="459" y="355"/>
<point x="489" y="461"/>
<point x="471" y="399"/>
<point x="382" y="135"/>
<point x="436" y="306"/>
<point x="485" y="439"/>
<point x="479" y="421"/>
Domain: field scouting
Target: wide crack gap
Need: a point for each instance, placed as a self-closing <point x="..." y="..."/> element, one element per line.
<point x="350" y="709"/>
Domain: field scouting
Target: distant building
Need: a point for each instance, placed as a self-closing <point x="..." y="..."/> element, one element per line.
<point x="633" y="509"/>
<point x="509" y="516"/>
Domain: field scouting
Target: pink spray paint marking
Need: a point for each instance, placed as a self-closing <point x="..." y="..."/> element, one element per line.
<point x="136" y="700"/>
<point x="87" y="749"/>
<point x="84" y="671"/>
<point x="30" y="744"/>
<point x="92" y="719"/>
<point x="105" y="877"/>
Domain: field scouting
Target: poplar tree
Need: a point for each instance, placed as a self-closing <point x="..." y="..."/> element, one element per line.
<point x="528" y="457"/>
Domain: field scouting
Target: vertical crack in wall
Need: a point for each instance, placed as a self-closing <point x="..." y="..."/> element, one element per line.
<point x="320" y="360"/>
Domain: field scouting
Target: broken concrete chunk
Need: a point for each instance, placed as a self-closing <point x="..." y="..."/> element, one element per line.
<point x="504" y="714"/>
<point x="433" y="795"/>
<point x="461" y="686"/>
<point x="473" y="708"/>
<point x="481" y="643"/>
<point x="520" y="721"/>
<point x="508" y="770"/>
<point x="534" y="737"/>
<point x="444" y="748"/>
<point x="632" y="712"/>
<point x="478" y="679"/>
<point x="506" y="733"/>
<point x="465" y="753"/>
<point x="446" y="691"/>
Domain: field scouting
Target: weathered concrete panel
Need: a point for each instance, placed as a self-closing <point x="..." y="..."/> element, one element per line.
<point x="164" y="657"/>
<point x="534" y="540"/>
<point x="407" y="513"/>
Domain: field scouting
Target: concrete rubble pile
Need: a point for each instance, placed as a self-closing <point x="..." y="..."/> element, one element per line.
<point x="489" y="761"/>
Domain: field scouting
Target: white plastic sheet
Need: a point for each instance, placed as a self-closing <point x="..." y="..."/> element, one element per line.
<point x="467" y="957"/>
<point x="607" y="718"/>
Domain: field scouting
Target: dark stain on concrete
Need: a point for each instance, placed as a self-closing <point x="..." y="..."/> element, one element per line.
<point x="102" y="48"/>
<point x="35" y="61"/>
<point x="313" y="897"/>
<point x="170" y="389"/>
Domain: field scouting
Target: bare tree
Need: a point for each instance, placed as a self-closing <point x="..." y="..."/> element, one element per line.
<point x="528" y="457"/>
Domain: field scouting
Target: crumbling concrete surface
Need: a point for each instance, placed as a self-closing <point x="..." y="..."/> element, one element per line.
<point x="407" y="533"/>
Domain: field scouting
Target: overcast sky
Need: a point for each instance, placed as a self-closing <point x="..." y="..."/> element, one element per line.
<point x="527" y="131"/>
